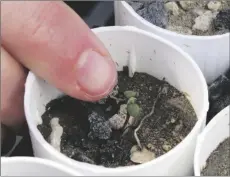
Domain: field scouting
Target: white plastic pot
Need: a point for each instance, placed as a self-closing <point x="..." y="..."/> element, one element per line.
<point x="217" y="130"/>
<point x="154" y="56"/>
<point x="211" y="53"/>
<point x="31" y="166"/>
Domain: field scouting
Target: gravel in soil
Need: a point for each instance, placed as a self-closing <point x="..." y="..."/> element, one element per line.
<point x="90" y="135"/>
<point x="194" y="17"/>
<point x="218" y="163"/>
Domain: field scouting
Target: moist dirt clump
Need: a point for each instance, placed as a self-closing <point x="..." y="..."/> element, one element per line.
<point x="190" y="17"/>
<point x="142" y="119"/>
<point x="218" y="163"/>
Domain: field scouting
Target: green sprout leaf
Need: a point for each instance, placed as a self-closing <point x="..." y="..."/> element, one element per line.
<point x="134" y="110"/>
<point x="131" y="100"/>
<point x="128" y="94"/>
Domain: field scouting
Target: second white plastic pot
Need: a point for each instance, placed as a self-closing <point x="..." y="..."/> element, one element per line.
<point x="217" y="130"/>
<point x="154" y="56"/>
<point x="211" y="53"/>
<point x="31" y="166"/>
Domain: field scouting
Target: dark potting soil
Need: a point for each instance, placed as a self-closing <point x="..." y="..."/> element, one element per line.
<point x="218" y="163"/>
<point x="88" y="134"/>
<point x="219" y="95"/>
<point x="191" y="17"/>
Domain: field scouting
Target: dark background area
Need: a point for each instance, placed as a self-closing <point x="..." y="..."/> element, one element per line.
<point x="95" y="14"/>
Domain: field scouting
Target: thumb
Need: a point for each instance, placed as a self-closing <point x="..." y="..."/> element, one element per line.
<point x="53" y="42"/>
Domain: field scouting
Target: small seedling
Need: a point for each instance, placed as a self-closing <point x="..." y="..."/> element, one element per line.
<point x="128" y="94"/>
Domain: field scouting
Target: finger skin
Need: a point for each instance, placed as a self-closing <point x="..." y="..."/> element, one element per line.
<point x="52" y="41"/>
<point x="13" y="79"/>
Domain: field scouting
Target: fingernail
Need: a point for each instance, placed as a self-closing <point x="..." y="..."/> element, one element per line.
<point x="96" y="74"/>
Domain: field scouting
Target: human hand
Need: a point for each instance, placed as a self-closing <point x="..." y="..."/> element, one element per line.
<point x="52" y="41"/>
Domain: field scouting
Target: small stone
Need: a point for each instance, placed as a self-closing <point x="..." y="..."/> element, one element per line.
<point x="167" y="122"/>
<point x="109" y="108"/>
<point x="134" y="110"/>
<point x="188" y="5"/>
<point x="178" y="139"/>
<point x="173" y="120"/>
<point x="128" y="94"/>
<point x="178" y="127"/>
<point x="99" y="128"/>
<point x="174" y="133"/>
<point x="173" y="8"/>
<point x="150" y="147"/>
<point x="123" y="110"/>
<point x="131" y="121"/>
<point x="116" y="122"/>
<point x="198" y="11"/>
<point x="142" y="156"/>
<point x="180" y="30"/>
<point x="166" y="147"/>
<point x="165" y="90"/>
<point x="214" y="5"/>
<point x="203" y="22"/>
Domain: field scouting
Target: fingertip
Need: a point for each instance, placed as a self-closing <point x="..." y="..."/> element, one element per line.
<point x="96" y="74"/>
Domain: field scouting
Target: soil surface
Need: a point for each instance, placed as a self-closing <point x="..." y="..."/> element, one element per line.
<point x="194" y="17"/>
<point x="218" y="163"/>
<point x="91" y="135"/>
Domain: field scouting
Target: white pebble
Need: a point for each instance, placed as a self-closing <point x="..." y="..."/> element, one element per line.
<point x="187" y="5"/>
<point x="214" y="5"/>
<point x="55" y="136"/>
<point x="198" y="11"/>
<point x="203" y="22"/>
<point x="173" y="8"/>
<point x="116" y="122"/>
